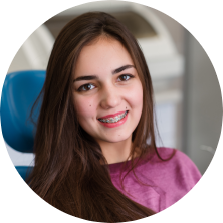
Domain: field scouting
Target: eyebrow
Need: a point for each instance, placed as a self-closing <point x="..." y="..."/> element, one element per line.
<point x="95" y="77"/>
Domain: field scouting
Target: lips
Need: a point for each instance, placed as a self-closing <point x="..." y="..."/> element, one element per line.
<point x="112" y="116"/>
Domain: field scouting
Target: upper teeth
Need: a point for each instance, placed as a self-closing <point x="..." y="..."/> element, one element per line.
<point x="115" y="119"/>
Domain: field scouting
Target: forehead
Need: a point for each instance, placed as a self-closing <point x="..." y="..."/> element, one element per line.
<point x="101" y="56"/>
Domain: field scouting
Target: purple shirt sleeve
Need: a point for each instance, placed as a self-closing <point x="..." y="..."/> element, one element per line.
<point x="160" y="183"/>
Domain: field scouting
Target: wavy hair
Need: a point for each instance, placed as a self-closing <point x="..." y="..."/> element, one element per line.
<point x="67" y="172"/>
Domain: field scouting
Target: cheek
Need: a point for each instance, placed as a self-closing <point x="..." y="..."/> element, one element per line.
<point x="85" y="108"/>
<point x="137" y="105"/>
<point x="135" y="96"/>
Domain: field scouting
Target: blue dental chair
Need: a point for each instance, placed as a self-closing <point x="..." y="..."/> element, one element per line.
<point x="19" y="93"/>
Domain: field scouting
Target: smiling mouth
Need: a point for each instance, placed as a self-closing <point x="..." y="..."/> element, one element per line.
<point x="114" y="119"/>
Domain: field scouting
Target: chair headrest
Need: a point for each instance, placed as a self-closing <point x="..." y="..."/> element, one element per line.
<point x="19" y="93"/>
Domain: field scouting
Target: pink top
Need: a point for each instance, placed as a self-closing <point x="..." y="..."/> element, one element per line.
<point x="168" y="181"/>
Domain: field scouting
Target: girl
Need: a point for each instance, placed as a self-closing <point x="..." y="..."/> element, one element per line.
<point x="95" y="149"/>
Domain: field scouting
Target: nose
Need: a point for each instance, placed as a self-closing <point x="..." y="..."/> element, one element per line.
<point x="110" y="97"/>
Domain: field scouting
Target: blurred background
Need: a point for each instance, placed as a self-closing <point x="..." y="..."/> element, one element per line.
<point x="187" y="93"/>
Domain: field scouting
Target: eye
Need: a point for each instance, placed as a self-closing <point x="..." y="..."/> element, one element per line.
<point x="125" y="75"/>
<point x="86" y="87"/>
<point x="89" y="84"/>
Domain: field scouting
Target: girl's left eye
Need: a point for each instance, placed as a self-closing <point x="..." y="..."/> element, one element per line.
<point x="125" y="77"/>
<point x="82" y="86"/>
<point x="86" y="87"/>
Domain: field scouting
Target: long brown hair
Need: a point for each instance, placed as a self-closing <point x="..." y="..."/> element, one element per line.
<point x="67" y="172"/>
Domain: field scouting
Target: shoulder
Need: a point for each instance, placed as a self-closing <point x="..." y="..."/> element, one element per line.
<point x="178" y="156"/>
<point x="181" y="166"/>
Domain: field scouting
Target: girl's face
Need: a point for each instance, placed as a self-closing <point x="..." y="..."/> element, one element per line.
<point x="107" y="91"/>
